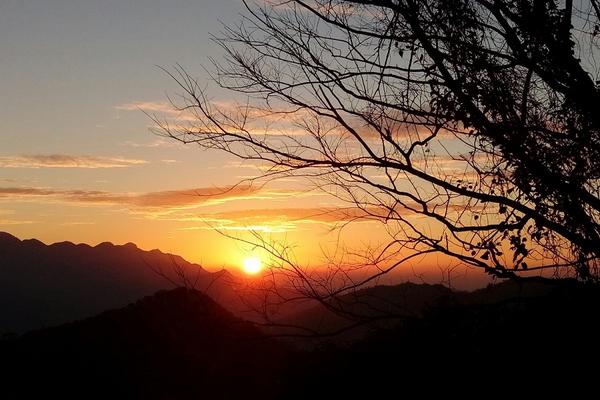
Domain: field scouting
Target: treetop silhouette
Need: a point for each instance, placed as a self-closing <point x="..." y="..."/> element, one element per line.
<point x="467" y="128"/>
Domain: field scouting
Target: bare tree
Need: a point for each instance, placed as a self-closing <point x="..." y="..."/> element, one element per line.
<point x="468" y="128"/>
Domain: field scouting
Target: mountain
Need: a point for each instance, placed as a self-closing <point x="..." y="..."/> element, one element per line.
<point x="351" y="317"/>
<point x="182" y="344"/>
<point x="174" y="344"/>
<point x="376" y="307"/>
<point x="45" y="285"/>
<point x="506" y="338"/>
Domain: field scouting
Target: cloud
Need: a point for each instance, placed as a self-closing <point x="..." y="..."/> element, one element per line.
<point x="66" y="161"/>
<point x="24" y="191"/>
<point x="8" y="221"/>
<point x="171" y="199"/>
<point x="159" y="108"/>
<point x="182" y="198"/>
<point x="148" y="106"/>
<point x="153" y="144"/>
<point x="327" y="214"/>
<point x="260" y="120"/>
<point x="15" y="222"/>
<point x="276" y="220"/>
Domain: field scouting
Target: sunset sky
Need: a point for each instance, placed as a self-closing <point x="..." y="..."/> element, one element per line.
<point x="271" y="199"/>
<point x="78" y="161"/>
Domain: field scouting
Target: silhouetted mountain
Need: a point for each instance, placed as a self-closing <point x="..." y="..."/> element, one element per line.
<point x="418" y="322"/>
<point x="506" y="338"/>
<point x="181" y="344"/>
<point x="376" y="307"/>
<point x="173" y="344"/>
<point x="44" y="285"/>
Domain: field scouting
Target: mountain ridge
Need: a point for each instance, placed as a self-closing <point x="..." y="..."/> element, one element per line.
<point x="48" y="284"/>
<point x="6" y="237"/>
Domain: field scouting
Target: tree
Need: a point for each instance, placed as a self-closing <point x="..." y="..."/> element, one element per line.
<point x="466" y="127"/>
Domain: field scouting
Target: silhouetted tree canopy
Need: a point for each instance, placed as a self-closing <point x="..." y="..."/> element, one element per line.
<point x="466" y="127"/>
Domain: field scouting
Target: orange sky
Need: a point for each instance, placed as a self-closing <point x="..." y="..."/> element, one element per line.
<point x="79" y="163"/>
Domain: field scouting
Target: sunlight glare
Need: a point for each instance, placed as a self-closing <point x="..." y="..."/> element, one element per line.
<point x="252" y="265"/>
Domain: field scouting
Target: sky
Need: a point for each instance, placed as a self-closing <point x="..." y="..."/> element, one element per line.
<point x="77" y="159"/>
<point x="79" y="162"/>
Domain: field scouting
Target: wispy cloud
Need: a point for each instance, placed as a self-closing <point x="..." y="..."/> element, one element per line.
<point x="66" y="161"/>
<point x="162" y="107"/>
<point x="280" y="219"/>
<point x="171" y="199"/>
<point x="182" y="198"/>
<point x="153" y="144"/>
<point x="77" y="223"/>
<point x="158" y="108"/>
<point x="259" y="120"/>
<point x="326" y="214"/>
<point x="10" y="221"/>
<point x="16" y="222"/>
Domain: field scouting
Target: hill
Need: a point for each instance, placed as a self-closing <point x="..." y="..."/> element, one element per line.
<point x="173" y="344"/>
<point x="353" y="315"/>
<point x="44" y="285"/>
<point x="182" y="344"/>
<point x="508" y="338"/>
<point x="350" y="318"/>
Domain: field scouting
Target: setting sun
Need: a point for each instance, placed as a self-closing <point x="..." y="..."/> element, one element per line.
<point x="252" y="265"/>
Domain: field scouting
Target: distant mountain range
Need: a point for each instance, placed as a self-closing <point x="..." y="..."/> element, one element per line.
<point x="181" y="344"/>
<point x="45" y="285"/>
<point x="188" y="343"/>
<point x="352" y="316"/>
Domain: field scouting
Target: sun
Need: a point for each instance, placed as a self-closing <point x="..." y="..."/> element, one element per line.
<point x="252" y="265"/>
